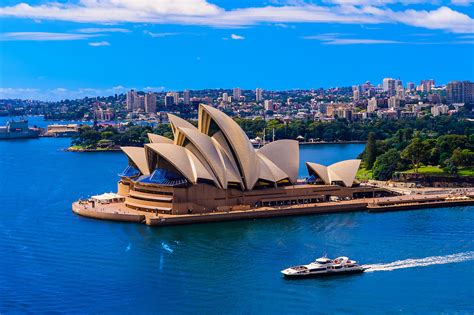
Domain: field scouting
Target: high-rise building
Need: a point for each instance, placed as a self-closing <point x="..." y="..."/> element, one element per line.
<point x="186" y="97"/>
<point x="140" y="103"/>
<point x="237" y="93"/>
<point x="355" y="95"/>
<point x="131" y="100"/>
<point x="394" y="102"/>
<point x="225" y="97"/>
<point x="426" y="85"/>
<point x="437" y="110"/>
<point x="150" y="102"/>
<point x="372" y="105"/>
<point x="410" y="86"/>
<point x="268" y="105"/>
<point x="389" y="86"/>
<point x="169" y="99"/>
<point x="400" y="92"/>
<point x="460" y="92"/>
<point x="258" y="95"/>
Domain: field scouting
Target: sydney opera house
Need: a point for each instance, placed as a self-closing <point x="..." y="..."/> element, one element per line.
<point x="214" y="167"/>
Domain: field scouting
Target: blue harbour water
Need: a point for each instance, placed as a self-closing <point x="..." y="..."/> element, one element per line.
<point x="54" y="261"/>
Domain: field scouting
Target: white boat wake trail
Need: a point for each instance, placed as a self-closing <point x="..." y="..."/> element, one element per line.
<point x="422" y="262"/>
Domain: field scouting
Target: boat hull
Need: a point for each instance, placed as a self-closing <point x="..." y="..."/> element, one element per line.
<point x="323" y="274"/>
<point x="19" y="135"/>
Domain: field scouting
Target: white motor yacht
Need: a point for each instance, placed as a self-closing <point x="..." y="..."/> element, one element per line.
<point x="324" y="267"/>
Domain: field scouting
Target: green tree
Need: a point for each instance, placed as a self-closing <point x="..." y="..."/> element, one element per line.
<point x="416" y="152"/>
<point x="462" y="158"/>
<point x="386" y="164"/>
<point x="451" y="167"/>
<point x="370" y="151"/>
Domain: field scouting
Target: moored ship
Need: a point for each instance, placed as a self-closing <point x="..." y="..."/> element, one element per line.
<point x="324" y="267"/>
<point x="18" y="130"/>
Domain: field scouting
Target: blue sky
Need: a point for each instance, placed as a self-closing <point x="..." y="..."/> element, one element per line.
<point x="67" y="49"/>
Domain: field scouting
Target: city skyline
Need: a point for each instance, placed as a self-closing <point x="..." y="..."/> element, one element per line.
<point x="53" y="51"/>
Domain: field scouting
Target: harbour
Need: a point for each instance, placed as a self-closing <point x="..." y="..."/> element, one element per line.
<point x="48" y="249"/>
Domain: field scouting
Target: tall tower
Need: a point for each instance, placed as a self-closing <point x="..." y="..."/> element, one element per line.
<point x="237" y="93"/>
<point x="186" y="97"/>
<point x="131" y="100"/>
<point x="150" y="103"/>
<point x="258" y="95"/>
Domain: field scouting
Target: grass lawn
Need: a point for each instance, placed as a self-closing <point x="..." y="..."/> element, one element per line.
<point x="364" y="174"/>
<point x="466" y="171"/>
<point x="428" y="170"/>
<point x="435" y="170"/>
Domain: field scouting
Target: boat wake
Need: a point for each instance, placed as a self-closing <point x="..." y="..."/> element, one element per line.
<point x="422" y="262"/>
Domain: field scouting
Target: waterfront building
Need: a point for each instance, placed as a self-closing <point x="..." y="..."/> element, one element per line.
<point x="150" y="103"/>
<point x="68" y="130"/>
<point x="214" y="167"/>
<point x="104" y="114"/>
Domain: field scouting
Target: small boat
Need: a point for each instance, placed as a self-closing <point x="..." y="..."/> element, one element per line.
<point x="324" y="267"/>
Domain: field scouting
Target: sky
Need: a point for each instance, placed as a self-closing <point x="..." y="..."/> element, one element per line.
<point x="56" y="49"/>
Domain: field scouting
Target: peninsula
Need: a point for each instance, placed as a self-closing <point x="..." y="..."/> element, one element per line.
<point x="213" y="173"/>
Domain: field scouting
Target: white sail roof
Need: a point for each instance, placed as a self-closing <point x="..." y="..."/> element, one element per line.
<point x="240" y="146"/>
<point x="344" y="171"/>
<point x="284" y="154"/>
<point x="183" y="161"/>
<point x="158" y="139"/>
<point x="137" y="158"/>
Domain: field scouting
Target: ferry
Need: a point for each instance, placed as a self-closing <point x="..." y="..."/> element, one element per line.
<point x="324" y="267"/>
<point x="18" y="130"/>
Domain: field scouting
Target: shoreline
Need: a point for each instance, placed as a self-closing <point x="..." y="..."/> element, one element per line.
<point x="116" y="149"/>
<point x="117" y="212"/>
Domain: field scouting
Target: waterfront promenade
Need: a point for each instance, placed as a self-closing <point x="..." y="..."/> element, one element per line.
<point x="119" y="212"/>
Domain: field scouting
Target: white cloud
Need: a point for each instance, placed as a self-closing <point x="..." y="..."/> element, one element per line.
<point x="42" y="36"/>
<point x="157" y="35"/>
<point x="355" y="41"/>
<point x="462" y="2"/>
<point x="60" y="93"/>
<point x="442" y="18"/>
<point x="379" y="2"/>
<point x="154" y="88"/>
<point x="98" y="44"/>
<point x="236" y="37"/>
<point x="201" y="12"/>
<point x="102" y="30"/>
<point x="335" y="39"/>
